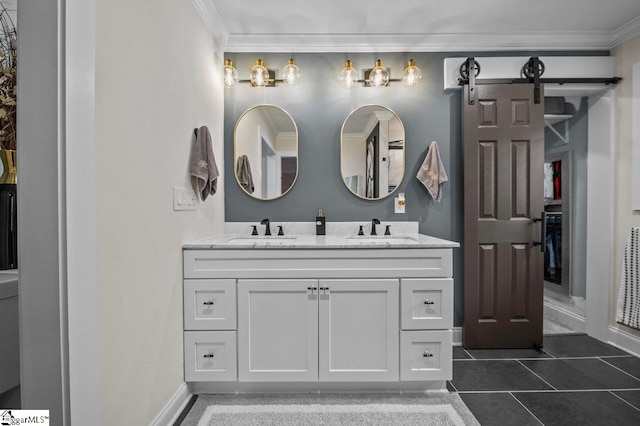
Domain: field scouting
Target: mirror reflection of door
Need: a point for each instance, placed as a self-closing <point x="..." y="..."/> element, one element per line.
<point x="266" y="152"/>
<point x="289" y="167"/>
<point x="372" y="152"/>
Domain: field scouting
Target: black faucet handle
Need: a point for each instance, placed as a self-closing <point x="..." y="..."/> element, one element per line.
<point x="280" y="231"/>
<point x="387" y="230"/>
<point x="255" y="230"/>
<point x="361" y="231"/>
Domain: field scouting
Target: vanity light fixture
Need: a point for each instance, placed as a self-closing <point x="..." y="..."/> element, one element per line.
<point x="411" y="75"/>
<point x="260" y="76"/>
<point x="379" y="76"/>
<point x="230" y="74"/>
<point x="291" y="73"/>
<point x="348" y="76"/>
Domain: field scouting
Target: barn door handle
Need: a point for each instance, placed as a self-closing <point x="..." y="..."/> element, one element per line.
<point x="543" y="230"/>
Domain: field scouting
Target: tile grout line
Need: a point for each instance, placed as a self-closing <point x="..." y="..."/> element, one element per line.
<point x="452" y="385"/>
<point x="551" y="390"/>
<point x="525" y="407"/>
<point x="620" y="369"/>
<point x="467" y="352"/>
<point x="535" y="374"/>
<point x="624" y="400"/>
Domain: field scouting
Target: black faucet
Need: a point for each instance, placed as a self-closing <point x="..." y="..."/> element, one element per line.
<point x="374" y="222"/>
<point x="268" y="229"/>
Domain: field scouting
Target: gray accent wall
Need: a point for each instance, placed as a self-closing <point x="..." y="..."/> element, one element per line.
<point x="319" y="106"/>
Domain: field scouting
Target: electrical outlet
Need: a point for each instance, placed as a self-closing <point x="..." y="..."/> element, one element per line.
<point x="184" y="199"/>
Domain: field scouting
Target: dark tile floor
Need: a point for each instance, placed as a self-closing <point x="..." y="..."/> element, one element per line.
<point x="572" y="380"/>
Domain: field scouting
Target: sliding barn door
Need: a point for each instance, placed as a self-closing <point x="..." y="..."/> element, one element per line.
<point x="503" y="193"/>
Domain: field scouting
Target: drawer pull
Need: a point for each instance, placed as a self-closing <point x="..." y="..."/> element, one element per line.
<point x="209" y="355"/>
<point x="312" y="288"/>
<point x="209" y="303"/>
<point x="427" y="354"/>
<point x="429" y="302"/>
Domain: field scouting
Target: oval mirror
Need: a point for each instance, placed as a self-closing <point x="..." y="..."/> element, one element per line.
<point x="266" y="152"/>
<point x="372" y="152"/>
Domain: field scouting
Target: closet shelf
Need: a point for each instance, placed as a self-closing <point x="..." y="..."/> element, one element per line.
<point x="551" y="119"/>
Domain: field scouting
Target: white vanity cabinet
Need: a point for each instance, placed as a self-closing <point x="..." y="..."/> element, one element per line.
<point x="318" y="319"/>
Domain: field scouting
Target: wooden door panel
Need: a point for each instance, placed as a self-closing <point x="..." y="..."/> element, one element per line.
<point x="520" y="160"/>
<point x="488" y="179"/>
<point x="503" y="152"/>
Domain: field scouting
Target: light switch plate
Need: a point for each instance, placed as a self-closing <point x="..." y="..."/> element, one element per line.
<point x="184" y="199"/>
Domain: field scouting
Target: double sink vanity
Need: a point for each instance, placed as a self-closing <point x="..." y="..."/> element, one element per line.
<point x="301" y="312"/>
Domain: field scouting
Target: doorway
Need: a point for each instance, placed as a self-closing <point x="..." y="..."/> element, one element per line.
<point x="566" y="153"/>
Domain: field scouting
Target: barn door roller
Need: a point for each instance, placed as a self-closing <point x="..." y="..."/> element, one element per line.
<point x="533" y="69"/>
<point x="469" y="70"/>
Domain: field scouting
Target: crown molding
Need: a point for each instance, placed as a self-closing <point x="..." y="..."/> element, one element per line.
<point x="213" y="20"/>
<point x="453" y="42"/>
<point x="626" y="31"/>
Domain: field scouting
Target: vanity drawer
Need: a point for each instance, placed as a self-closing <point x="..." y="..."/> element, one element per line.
<point x="426" y="355"/>
<point x="210" y="304"/>
<point x="426" y="303"/>
<point x="210" y="356"/>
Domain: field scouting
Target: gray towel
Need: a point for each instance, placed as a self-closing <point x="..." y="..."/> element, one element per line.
<point x="204" y="171"/>
<point x="432" y="174"/>
<point x="243" y="173"/>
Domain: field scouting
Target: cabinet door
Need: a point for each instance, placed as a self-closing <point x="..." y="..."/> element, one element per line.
<point x="277" y="330"/>
<point x="359" y="337"/>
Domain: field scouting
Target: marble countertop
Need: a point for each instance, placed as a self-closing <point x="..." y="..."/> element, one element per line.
<point x="306" y="241"/>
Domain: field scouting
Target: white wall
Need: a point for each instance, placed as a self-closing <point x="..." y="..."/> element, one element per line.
<point x="627" y="54"/>
<point x="157" y="78"/>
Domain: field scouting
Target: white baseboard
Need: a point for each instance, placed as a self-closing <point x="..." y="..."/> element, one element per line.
<point x="625" y="341"/>
<point x="457" y="336"/>
<point x="565" y="317"/>
<point x="174" y="407"/>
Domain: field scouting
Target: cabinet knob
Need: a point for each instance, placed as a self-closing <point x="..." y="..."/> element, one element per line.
<point x="208" y="303"/>
<point x="209" y="355"/>
<point x="427" y="354"/>
<point x="429" y="302"/>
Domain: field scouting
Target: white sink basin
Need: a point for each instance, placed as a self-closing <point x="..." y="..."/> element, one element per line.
<point x="390" y="239"/>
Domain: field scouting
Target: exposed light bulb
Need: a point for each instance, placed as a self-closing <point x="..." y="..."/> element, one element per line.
<point x="348" y="76"/>
<point x="259" y="74"/>
<point x="230" y="74"/>
<point x="412" y="75"/>
<point x="379" y="76"/>
<point x="291" y="73"/>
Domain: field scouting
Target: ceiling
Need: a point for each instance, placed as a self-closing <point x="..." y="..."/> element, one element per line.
<point x="419" y="25"/>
